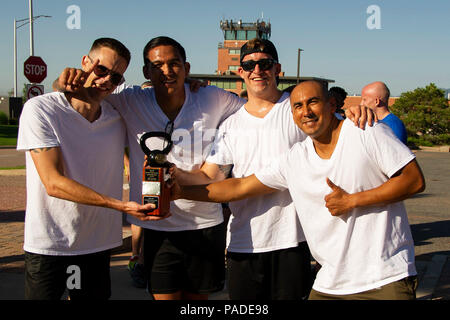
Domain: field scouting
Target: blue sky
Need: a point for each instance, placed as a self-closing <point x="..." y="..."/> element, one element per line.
<point x="410" y="50"/>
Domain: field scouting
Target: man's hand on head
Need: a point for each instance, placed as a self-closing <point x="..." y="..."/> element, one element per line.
<point x="195" y="85"/>
<point x="361" y="115"/>
<point x="73" y="79"/>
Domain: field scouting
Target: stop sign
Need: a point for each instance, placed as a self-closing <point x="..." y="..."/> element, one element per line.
<point x="35" y="69"/>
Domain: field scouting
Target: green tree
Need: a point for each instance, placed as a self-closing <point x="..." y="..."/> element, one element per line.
<point x="426" y="115"/>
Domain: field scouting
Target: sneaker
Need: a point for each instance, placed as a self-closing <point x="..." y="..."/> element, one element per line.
<point x="132" y="262"/>
<point x="137" y="273"/>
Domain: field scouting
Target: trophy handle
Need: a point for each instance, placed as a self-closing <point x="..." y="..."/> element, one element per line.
<point x="156" y="134"/>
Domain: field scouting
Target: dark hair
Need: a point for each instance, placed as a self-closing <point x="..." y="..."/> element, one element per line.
<point x="339" y="94"/>
<point x="113" y="44"/>
<point x="340" y="91"/>
<point x="163" y="41"/>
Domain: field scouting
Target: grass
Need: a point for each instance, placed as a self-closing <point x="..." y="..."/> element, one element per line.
<point x="13" y="168"/>
<point x="8" y="135"/>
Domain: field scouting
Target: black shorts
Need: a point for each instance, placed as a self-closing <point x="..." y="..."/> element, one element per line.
<point x="85" y="276"/>
<point x="276" y="275"/>
<point x="192" y="261"/>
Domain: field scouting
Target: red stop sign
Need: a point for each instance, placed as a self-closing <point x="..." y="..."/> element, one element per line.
<point x="35" y="69"/>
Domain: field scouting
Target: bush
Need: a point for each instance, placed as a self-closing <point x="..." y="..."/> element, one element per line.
<point x="3" y="118"/>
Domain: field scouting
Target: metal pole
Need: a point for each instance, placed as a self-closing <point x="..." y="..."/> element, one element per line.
<point x="15" y="59"/>
<point x="31" y="29"/>
<point x="298" y="65"/>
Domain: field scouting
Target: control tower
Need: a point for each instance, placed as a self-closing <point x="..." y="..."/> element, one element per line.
<point x="236" y="34"/>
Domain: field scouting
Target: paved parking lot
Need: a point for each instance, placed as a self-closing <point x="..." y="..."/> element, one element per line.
<point x="428" y="213"/>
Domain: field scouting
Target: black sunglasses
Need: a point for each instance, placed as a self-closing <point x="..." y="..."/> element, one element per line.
<point x="102" y="71"/>
<point x="264" y="64"/>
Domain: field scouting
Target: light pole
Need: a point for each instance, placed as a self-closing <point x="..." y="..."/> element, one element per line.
<point x="25" y="22"/>
<point x="298" y="65"/>
<point x="30" y="16"/>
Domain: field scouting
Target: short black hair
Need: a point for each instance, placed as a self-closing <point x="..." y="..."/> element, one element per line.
<point x="340" y="91"/>
<point x="113" y="44"/>
<point x="163" y="41"/>
<point x="340" y="95"/>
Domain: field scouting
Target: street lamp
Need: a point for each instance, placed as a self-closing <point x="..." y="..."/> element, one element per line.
<point x="298" y="65"/>
<point x="25" y="22"/>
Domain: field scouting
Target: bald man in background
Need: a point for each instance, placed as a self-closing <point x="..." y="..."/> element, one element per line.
<point x="376" y="96"/>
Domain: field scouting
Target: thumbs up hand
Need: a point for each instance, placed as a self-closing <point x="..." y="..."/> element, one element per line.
<point x="338" y="201"/>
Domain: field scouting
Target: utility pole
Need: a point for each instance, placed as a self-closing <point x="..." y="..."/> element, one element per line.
<point x="23" y="23"/>
<point x="298" y="65"/>
<point x="31" y="28"/>
<point x="15" y="58"/>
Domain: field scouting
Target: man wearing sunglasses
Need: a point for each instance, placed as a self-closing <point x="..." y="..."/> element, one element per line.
<point x="267" y="256"/>
<point x="74" y="145"/>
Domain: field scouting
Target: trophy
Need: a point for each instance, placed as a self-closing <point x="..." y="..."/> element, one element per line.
<point x="155" y="175"/>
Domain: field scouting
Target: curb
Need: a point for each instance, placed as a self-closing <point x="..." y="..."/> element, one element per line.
<point x="435" y="149"/>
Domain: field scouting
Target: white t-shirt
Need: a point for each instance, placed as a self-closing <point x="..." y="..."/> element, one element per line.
<point x="269" y="222"/>
<point x="194" y="130"/>
<point x="368" y="247"/>
<point x="93" y="156"/>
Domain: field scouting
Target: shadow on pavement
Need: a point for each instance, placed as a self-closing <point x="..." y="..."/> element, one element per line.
<point x="423" y="232"/>
<point x="12" y="216"/>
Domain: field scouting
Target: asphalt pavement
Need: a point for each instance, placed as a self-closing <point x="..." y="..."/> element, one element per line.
<point x="428" y="213"/>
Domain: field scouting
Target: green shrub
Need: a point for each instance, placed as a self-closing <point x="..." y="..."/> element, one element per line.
<point x="3" y="118"/>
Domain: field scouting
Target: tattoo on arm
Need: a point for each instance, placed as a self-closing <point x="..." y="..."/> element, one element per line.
<point x="39" y="150"/>
<point x="225" y="169"/>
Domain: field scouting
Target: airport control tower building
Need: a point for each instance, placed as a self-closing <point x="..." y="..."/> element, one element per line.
<point x="236" y="34"/>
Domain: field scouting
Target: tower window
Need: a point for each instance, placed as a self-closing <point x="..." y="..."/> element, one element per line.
<point x="241" y="35"/>
<point x="251" y="34"/>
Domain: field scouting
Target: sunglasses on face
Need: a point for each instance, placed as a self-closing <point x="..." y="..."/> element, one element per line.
<point x="102" y="71"/>
<point x="264" y="64"/>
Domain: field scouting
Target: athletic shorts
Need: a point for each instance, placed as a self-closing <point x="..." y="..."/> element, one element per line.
<point x="192" y="261"/>
<point x="404" y="289"/>
<point x="84" y="276"/>
<point x="275" y="275"/>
